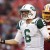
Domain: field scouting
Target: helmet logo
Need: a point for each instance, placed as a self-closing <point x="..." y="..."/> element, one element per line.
<point x="32" y="8"/>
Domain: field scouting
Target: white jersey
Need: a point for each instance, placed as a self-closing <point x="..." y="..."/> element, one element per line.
<point x="48" y="26"/>
<point x="31" y="33"/>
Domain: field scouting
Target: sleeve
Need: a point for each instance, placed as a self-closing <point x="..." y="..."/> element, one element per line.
<point x="41" y="24"/>
<point x="18" y="37"/>
<point x="44" y="32"/>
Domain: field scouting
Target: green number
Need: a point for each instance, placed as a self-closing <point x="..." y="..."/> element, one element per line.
<point x="27" y="36"/>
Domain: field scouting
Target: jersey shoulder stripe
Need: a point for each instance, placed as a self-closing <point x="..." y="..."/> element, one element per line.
<point x="19" y="24"/>
<point x="40" y="23"/>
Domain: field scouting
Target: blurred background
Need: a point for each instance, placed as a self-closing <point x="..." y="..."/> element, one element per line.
<point x="9" y="17"/>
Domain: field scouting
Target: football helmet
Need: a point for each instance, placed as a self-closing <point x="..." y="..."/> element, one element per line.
<point x="28" y="11"/>
<point x="46" y="13"/>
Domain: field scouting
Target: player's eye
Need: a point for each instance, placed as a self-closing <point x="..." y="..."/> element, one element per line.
<point x="26" y="12"/>
<point x="47" y="12"/>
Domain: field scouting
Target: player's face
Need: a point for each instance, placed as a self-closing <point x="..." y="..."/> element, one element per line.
<point x="24" y="14"/>
<point x="47" y="17"/>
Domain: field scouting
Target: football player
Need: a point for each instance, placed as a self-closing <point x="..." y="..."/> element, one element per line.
<point x="32" y="28"/>
<point x="46" y="15"/>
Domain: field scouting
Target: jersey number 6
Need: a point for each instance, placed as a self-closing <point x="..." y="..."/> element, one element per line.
<point x="27" y="35"/>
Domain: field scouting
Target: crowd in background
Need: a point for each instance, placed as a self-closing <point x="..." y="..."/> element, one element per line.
<point x="9" y="17"/>
<point x="8" y="22"/>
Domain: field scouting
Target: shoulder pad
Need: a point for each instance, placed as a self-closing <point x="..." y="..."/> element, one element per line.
<point x="35" y="20"/>
<point x="19" y="24"/>
<point x="40" y="23"/>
